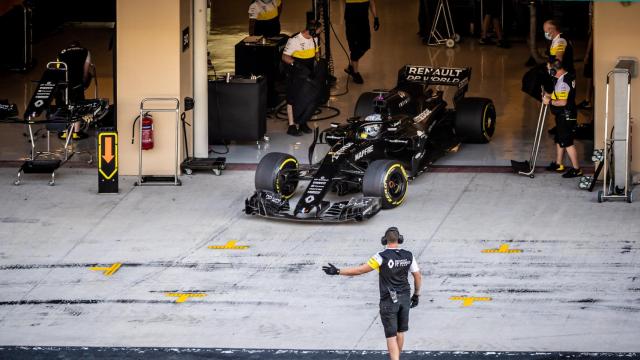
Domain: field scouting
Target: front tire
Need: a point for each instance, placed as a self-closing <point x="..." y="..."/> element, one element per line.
<point x="388" y="180"/>
<point x="475" y="120"/>
<point x="277" y="172"/>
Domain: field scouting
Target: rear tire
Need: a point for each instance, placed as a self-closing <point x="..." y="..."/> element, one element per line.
<point x="475" y="120"/>
<point x="277" y="172"/>
<point x="388" y="180"/>
<point x="364" y="106"/>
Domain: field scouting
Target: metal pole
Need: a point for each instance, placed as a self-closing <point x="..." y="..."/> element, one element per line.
<point x="482" y="14"/>
<point x="628" y="138"/>
<point x="140" y="144"/>
<point x="177" y="157"/>
<point x="26" y="39"/>
<point x="606" y="139"/>
<point x="532" y="32"/>
<point x="200" y="81"/>
<point x="33" y="142"/>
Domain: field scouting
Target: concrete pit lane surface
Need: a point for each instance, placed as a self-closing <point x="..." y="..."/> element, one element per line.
<point x="510" y="265"/>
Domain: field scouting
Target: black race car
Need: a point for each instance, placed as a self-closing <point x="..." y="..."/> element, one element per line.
<point x="393" y="137"/>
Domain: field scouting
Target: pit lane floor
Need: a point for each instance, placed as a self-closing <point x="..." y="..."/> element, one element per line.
<point x="510" y="264"/>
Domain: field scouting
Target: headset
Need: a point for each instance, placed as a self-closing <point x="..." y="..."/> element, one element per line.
<point x="555" y="66"/>
<point x="312" y="27"/>
<point x="384" y="240"/>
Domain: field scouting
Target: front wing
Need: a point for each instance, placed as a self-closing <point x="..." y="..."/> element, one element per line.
<point x="271" y="205"/>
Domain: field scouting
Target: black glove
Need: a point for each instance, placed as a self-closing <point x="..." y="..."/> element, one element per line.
<point x="376" y="23"/>
<point x="331" y="270"/>
<point x="414" y="300"/>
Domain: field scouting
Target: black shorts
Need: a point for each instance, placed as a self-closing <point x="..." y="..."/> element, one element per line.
<point x="395" y="317"/>
<point x="565" y="130"/>
<point x="356" y="21"/>
<point x="267" y="28"/>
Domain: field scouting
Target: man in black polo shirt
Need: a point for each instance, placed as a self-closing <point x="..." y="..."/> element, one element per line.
<point x="394" y="265"/>
<point x="562" y="102"/>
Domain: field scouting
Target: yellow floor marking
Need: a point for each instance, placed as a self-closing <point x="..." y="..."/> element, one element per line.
<point x="230" y="245"/>
<point x="108" y="271"/>
<point x="503" y="249"/>
<point x="182" y="297"/>
<point x="468" y="300"/>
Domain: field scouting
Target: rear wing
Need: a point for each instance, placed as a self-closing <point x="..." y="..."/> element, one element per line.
<point x="428" y="75"/>
<point x="436" y="75"/>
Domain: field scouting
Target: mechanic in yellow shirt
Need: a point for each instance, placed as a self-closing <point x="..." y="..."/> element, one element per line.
<point x="264" y="17"/>
<point x="301" y="55"/>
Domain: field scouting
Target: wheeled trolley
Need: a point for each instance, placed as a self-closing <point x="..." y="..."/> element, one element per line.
<point x="617" y="183"/>
<point x="528" y="168"/>
<point x="172" y="106"/>
<point x="46" y="162"/>
<point x="448" y="37"/>
<point x="191" y="164"/>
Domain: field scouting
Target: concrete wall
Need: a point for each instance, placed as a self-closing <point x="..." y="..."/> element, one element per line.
<point x="151" y="64"/>
<point x="616" y="33"/>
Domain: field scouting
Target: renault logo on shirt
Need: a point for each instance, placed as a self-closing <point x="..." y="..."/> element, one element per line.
<point x="398" y="263"/>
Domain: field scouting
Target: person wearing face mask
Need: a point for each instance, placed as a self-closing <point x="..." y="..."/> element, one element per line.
<point x="301" y="57"/>
<point x="264" y="17"/>
<point x="560" y="48"/>
<point x="563" y="106"/>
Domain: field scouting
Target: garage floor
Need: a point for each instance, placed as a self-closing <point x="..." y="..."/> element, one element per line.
<point x="542" y="266"/>
<point x="496" y="73"/>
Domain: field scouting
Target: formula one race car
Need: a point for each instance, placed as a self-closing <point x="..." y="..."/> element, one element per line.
<point x="393" y="137"/>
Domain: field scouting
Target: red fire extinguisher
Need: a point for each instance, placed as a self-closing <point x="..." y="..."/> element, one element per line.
<point x="147" y="131"/>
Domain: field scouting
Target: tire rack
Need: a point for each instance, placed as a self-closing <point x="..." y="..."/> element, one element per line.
<point x="174" y="180"/>
<point x="35" y="165"/>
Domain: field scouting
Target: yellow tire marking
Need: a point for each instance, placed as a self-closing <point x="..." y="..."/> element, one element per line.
<point x="469" y="300"/>
<point x="503" y="249"/>
<point x="484" y="122"/>
<point x="230" y="245"/>
<point x="182" y="297"/>
<point x="107" y="271"/>
<point x="386" y="190"/>
<point x="278" y="178"/>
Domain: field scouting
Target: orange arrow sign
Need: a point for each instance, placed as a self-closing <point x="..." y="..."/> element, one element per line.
<point x="108" y="151"/>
